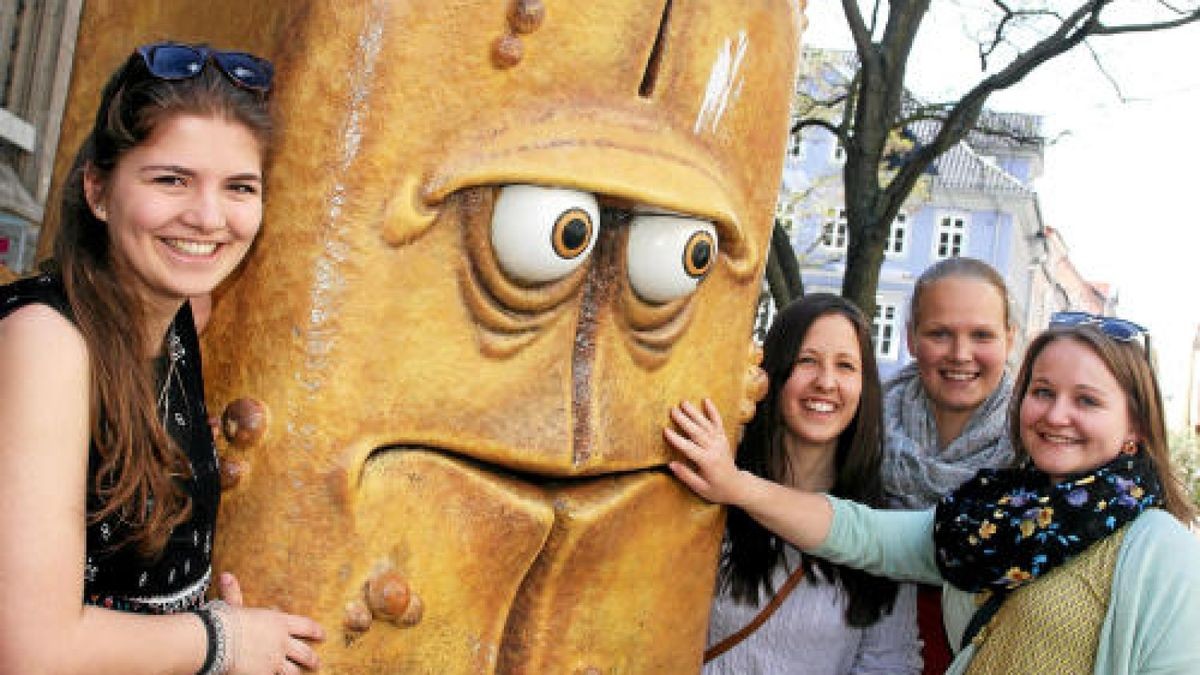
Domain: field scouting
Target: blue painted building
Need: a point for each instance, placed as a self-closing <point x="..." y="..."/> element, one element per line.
<point x="978" y="200"/>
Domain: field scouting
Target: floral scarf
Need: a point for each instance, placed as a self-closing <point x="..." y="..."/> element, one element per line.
<point x="1004" y="528"/>
<point x="916" y="473"/>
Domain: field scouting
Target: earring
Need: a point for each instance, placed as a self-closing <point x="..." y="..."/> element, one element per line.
<point x="1129" y="447"/>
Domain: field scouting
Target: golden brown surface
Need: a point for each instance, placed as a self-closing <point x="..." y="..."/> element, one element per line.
<point x="439" y="433"/>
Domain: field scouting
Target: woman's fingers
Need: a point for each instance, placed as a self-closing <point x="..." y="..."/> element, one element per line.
<point x="713" y="415"/>
<point x="301" y="654"/>
<point x="229" y="589"/>
<point x="683" y="420"/>
<point x="696" y="415"/>
<point x="682" y="443"/>
<point x="304" y="628"/>
<point x="689" y="477"/>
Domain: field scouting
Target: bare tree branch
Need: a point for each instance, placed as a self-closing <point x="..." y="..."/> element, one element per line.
<point x="858" y="30"/>
<point x="998" y="36"/>
<point x="875" y="17"/>
<point x="1112" y="81"/>
<point x="1148" y="27"/>
<point x="877" y="175"/>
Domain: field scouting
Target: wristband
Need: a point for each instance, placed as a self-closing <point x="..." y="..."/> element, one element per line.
<point x="216" y="655"/>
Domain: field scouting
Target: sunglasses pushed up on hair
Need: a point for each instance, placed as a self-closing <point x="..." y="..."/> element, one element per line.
<point x="177" y="61"/>
<point x="1121" y="330"/>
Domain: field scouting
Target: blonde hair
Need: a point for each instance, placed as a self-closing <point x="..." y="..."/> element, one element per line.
<point x="969" y="268"/>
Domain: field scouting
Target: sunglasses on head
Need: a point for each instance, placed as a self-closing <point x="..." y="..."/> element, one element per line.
<point x="1120" y="330"/>
<point x="176" y="61"/>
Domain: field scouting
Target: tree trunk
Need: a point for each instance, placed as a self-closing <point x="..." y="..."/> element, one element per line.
<point x="783" y="270"/>
<point x="864" y="258"/>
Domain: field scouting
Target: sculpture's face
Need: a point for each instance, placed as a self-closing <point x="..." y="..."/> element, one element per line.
<point x="501" y="240"/>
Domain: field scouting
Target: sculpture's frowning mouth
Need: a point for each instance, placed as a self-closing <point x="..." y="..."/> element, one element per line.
<point x="532" y="477"/>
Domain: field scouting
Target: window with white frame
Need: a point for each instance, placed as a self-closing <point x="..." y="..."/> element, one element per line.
<point x="897" y="241"/>
<point x="950" y="236"/>
<point x="885" y="329"/>
<point x="833" y="234"/>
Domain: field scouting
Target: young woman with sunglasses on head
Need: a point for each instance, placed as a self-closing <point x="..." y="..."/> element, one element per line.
<point x="110" y="473"/>
<point x="1079" y="560"/>
<point x="817" y="429"/>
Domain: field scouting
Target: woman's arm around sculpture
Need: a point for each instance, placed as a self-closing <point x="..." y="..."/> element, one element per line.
<point x="894" y="544"/>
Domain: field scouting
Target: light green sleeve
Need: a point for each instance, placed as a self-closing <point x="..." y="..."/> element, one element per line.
<point x="894" y="544"/>
<point x="1153" y="620"/>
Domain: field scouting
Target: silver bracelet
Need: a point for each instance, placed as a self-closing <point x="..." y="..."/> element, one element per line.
<point x="219" y="657"/>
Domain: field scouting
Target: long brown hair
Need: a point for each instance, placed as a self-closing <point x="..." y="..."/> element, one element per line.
<point x="1128" y="363"/>
<point x="139" y="465"/>
<point x="753" y="552"/>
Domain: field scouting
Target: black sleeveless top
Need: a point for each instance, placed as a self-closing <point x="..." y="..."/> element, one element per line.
<point x="118" y="577"/>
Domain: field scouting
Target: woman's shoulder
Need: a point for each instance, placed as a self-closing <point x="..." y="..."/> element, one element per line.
<point x="43" y="289"/>
<point x="1157" y="539"/>
<point x="38" y="334"/>
<point x="1158" y="523"/>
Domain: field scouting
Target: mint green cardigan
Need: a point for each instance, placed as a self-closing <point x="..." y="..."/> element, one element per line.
<point x="1153" y="619"/>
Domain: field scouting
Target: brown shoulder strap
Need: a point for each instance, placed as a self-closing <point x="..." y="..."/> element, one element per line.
<point x="764" y="614"/>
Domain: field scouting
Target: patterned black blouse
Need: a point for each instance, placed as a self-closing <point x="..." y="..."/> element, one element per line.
<point x="119" y="578"/>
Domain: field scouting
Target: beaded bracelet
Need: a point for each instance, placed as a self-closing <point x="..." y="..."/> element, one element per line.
<point x="217" y="657"/>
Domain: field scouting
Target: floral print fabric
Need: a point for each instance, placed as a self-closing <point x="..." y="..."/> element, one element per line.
<point x="1006" y="527"/>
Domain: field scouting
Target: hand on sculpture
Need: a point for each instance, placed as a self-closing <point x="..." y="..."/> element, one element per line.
<point x="267" y="641"/>
<point x="710" y="471"/>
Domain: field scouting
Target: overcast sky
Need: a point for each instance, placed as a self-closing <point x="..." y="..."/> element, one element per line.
<point x="1119" y="180"/>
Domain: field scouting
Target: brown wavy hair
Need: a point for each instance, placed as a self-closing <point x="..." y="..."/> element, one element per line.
<point x="140" y="467"/>
<point x="752" y="552"/>
<point x="1130" y="366"/>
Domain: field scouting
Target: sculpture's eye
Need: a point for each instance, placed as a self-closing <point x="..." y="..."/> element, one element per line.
<point x="669" y="255"/>
<point x="542" y="234"/>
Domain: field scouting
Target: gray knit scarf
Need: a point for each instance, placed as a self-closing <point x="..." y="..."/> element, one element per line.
<point x="915" y="473"/>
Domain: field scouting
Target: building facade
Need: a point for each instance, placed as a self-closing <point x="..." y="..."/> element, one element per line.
<point x="977" y="200"/>
<point x="37" y="45"/>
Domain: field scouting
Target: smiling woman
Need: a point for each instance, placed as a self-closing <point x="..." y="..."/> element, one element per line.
<point x="1079" y="560"/>
<point x="945" y="413"/>
<point x="182" y="208"/>
<point x="818" y="428"/>
<point x="104" y="440"/>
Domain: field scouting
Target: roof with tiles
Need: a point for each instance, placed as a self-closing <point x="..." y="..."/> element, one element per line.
<point x="963" y="168"/>
<point x="968" y="164"/>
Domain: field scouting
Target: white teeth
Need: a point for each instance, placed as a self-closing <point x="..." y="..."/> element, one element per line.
<point x="1058" y="439"/>
<point x="958" y="377"/>
<point x="819" y="406"/>
<point x="192" y="247"/>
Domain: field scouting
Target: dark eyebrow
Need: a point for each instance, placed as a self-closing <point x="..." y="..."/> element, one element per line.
<point x="167" y="167"/>
<point x="246" y="176"/>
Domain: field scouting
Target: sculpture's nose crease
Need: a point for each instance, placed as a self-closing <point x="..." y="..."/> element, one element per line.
<point x="597" y="293"/>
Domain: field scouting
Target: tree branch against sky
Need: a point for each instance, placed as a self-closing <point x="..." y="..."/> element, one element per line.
<point x="1014" y="38"/>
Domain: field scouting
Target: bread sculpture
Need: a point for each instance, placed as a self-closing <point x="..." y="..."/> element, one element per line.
<point x="502" y="238"/>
